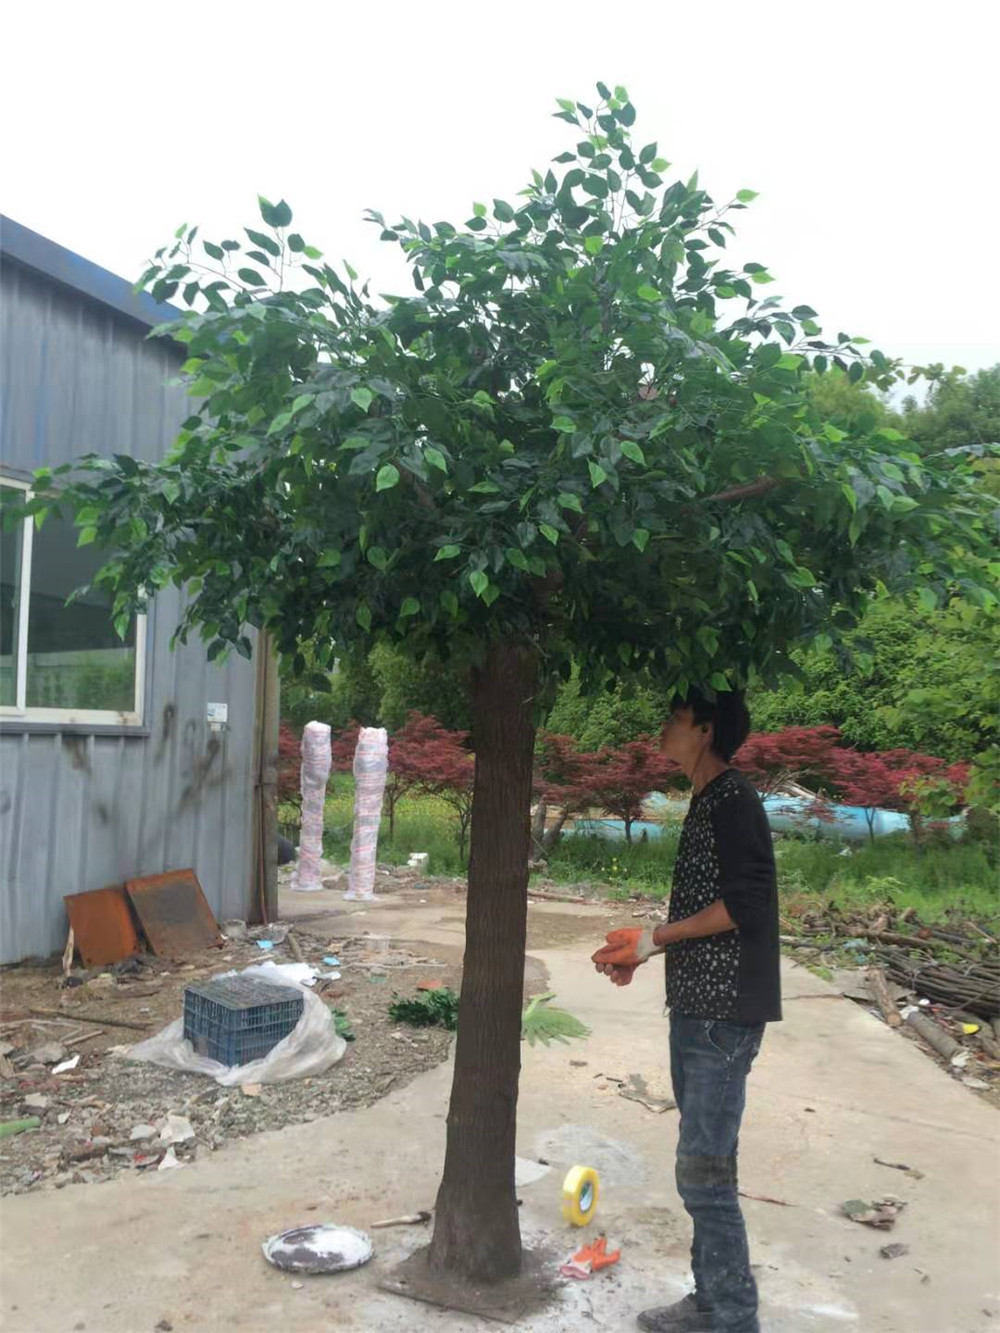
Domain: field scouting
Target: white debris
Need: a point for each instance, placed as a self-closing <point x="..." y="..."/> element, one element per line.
<point x="177" y="1129"/>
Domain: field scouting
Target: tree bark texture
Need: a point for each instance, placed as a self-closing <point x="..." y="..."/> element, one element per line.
<point x="476" y="1229"/>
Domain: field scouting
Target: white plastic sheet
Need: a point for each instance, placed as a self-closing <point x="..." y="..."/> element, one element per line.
<point x="371" y="761"/>
<point x="311" y="1048"/>
<point x="307" y="876"/>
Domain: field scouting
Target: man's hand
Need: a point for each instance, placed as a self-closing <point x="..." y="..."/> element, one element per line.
<point x="618" y="976"/>
<point x="624" y="951"/>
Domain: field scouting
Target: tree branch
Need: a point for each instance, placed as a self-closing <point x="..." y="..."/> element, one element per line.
<point x="759" y="487"/>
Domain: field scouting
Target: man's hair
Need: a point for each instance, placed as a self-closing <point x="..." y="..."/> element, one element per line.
<point x="727" y="713"/>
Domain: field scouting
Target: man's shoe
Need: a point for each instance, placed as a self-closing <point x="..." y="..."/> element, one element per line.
<point x="685" y="1316"/>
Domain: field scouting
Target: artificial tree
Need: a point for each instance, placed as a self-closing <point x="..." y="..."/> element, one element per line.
<point x="584" y="438"/>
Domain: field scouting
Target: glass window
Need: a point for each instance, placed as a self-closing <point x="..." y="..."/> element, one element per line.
<point x="73" y="665"/>
<point x="11" y="542"/>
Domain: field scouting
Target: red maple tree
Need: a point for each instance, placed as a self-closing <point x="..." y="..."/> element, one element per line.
<point x="920" y="785"/>
<point x="425" y="756"/>
<point x="289" y="764"/>
<point x="560" y="784"/>
<point x="771" y="759"/>
<point x="620" y="780"/>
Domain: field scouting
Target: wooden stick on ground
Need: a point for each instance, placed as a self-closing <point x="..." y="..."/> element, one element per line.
<point x="879" y="988"/>
<point x="934" y="1036"/>
<point x="84" y="1036"/>
<point x="295" y="946"/>
<point x="98" y="1019"/>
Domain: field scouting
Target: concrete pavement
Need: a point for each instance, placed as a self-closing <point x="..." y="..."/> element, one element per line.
<point x="832" y="1089"/>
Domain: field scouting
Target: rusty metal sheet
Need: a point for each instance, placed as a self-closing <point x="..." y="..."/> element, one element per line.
<point x="103" y="926"/>
<point x="173" y="912"/>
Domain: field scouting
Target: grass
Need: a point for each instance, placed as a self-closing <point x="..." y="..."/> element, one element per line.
<point x="423" y="824"/>
<point x="938" y="881"/>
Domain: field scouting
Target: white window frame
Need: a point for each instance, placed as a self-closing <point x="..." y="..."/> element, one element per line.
<point x="97" y="717"/>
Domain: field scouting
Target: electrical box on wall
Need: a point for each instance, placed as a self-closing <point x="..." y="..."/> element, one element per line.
<point x="217" y="717"/>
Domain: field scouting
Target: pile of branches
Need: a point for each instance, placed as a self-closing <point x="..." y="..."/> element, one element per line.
<point x="957" y="965"/>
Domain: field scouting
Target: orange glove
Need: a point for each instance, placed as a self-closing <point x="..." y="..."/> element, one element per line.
<point x="591" y="1259"/>
<point x="626" y="948"/>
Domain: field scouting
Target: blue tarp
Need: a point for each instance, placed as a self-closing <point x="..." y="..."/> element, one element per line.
<point x="785" y="814"/>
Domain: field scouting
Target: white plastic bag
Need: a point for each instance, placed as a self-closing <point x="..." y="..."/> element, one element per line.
<point x="307" y="876"/>
<point x="371" y="761"/>
<point x="312" y="1047"/>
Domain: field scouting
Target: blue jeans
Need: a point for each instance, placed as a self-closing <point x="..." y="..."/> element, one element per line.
<point x="709" y="1064"/>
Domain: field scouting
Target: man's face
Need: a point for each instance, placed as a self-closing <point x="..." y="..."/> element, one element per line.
<point x="681" y="734"/>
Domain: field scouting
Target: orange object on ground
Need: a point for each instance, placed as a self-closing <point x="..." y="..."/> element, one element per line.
<point x="591" y="1259"/>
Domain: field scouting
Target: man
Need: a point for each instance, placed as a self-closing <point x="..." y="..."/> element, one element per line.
<point x="722" y="961"/>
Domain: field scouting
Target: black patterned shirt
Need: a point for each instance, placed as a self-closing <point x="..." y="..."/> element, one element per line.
<point x="725" y="852"/>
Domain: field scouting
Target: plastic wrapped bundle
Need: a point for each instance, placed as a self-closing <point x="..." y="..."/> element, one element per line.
<point x="371" y="760"/>
<point x="315" y="772"/>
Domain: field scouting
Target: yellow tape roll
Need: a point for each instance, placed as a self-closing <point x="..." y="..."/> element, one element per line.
<point x="579" y="1195"/>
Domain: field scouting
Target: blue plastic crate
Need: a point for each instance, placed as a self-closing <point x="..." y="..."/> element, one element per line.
<point x="238" y="1019"/>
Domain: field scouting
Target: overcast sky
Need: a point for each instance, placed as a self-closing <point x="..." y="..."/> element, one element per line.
<point x="869" y="129"/>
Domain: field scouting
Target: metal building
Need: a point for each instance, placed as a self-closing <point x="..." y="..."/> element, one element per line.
<point x="116" y="759"/>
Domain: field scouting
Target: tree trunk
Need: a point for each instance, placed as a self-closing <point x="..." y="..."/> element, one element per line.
<point x="628" y="833"/>
<point x="476" y="1230"/>
<point x="538" y="828"/>
<point x="551" y="835"/>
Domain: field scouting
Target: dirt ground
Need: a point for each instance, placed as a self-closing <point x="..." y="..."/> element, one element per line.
<point x="88" y="1114"/>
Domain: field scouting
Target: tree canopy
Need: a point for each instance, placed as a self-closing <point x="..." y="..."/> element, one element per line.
<point x="586" y="430"/>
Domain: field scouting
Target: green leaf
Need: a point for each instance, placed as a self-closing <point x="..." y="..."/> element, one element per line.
<point x="410" y="607"/>
<point x="927" y="599"/>
<point x="279" y="423"/>
<point x="594" y="245"/>
<point x="566" y="425"/>
<point x="597" y="474"/>
<point x="480" y="582"/>
<point x="378" y="557"/>
<point x="517" y="558"/>
<point x="719" y="682"/>
<point x="502" y="211"/>
<point x="569" y="501"/>
<point x="647" y="293"/>
<point x="448" y="552"/>
<point x="267" y="243"/>
<point x="640" y="539"/>
<point x="491" y="594"/>
<point x="86" y="536"/>
<point x="362" y="397"/>
<point x="303" y="401"/>
<point x="802" y="577"/>
<point x="484" y="488"/>
<point x="850" y="495"/>
<point x="275" y="215"/>
<point x="549" y="533"/>
<point x="388" y="476"/>
<point x="251" y="277"/>
<point x="478" y="210"/>
<point x="761" y="276"/>
<point x="541" y="1023"/>
<point x="435" y="457"/>
<point x="631" y="450"/>
<point x="746" y="196"/>
<point x="482" y="399"/>
<point x="364" y="617"/>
